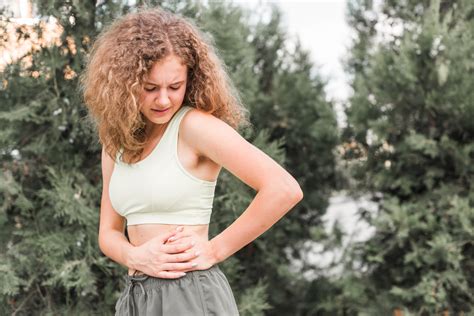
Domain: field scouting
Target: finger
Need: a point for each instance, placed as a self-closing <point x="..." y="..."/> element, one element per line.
<point x="185" y="256"/>
<point x="170" y="233"/>
<point x="177" y="248"/>
<point x="179" y="266"/>
<point x="178" y="236"/>
<point x="170" y="275"/>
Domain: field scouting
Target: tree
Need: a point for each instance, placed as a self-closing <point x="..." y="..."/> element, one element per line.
<point x="411" y="115"/>
<point x="291" y="104"/>
<point x="51" y="177"/>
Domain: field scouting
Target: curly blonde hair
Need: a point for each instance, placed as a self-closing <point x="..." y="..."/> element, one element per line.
<point x="122" y="55"/>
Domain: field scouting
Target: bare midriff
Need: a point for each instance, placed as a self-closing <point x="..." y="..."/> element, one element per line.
<point x="140" y="234"/>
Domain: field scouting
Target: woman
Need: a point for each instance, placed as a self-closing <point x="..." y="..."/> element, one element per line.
<point x="166" y="115"/>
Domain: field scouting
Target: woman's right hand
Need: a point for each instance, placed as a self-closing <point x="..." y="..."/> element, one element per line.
<point x="158" y="259"/>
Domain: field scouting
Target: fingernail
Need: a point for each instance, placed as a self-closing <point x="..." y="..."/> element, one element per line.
<point x="180" y="228"/>
<point x="193" y="243"/>
<point x="197" y="253"/>
<point x="183" y="274"/>
<point x="194" y="264"/>
<point x="172" y="238"/>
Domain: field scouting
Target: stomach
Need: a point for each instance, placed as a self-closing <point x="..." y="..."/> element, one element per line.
<point x="140" y="234"/>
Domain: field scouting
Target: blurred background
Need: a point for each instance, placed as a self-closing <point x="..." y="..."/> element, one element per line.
<point x="368" y="104"/>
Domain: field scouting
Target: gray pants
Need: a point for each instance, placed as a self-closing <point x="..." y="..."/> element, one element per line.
<point x="199" y="292"/>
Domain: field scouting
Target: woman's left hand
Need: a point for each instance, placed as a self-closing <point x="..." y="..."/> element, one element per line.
<point x="206" y="257"/>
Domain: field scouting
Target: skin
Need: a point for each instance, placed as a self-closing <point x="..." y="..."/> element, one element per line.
<point x="205" y="145"/>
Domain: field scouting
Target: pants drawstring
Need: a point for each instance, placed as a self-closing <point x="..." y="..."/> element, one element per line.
<point x="132" y="281"/>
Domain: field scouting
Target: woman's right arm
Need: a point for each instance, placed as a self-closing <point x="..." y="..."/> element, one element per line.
<point x="112" y="241"/>
<point x="154" y="257"/>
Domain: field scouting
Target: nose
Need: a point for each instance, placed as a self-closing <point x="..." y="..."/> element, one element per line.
<point x="162" y="98"/>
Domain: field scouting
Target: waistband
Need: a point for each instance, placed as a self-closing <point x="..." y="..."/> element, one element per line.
<point x="148" y="281"/>
<point x="145" y="282"/>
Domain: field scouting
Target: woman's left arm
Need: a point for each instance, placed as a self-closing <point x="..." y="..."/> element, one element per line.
<point x="277" y="191"/>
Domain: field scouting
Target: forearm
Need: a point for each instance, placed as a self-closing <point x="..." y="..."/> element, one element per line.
<point x="269" y="205"/>
<point x="115" y="245"/>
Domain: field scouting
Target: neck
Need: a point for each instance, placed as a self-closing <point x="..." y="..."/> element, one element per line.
<point x="155" y="130"/>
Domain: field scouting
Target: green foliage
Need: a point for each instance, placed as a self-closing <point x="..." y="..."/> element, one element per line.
<point x="411" y="112"/>
<point x="253" y="302"/>
<point x="290" y="103"/>
<point x="50" y="262"/>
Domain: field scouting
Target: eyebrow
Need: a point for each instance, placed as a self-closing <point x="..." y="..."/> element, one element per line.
<point x="155" y="84"/>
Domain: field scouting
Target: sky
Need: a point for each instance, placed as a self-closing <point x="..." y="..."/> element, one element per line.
<point x="322" y="29"/>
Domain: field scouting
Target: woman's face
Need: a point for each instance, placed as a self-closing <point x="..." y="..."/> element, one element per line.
<point x="163" y="91"/>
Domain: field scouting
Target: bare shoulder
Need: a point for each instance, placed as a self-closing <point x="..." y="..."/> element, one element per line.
<point x="197" y="124"/>
<point x="215" y="139"/>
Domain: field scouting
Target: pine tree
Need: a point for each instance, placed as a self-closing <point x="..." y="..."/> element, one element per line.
<point x="292" y="123"/>
<point x="51" y="178"/>
<point x="411" y="114"/>
<point x="291" y="104"/>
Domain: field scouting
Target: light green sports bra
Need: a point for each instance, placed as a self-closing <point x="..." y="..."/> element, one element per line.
<point x="158" y="189"/>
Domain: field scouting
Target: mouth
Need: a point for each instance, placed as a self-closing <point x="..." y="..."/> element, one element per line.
<point x="160" y="111"/>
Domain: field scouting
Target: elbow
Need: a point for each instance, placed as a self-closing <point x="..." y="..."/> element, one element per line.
<point x="292" y="190"/>
<point x="295" y="193"/>
<point x="298" y="194"/>
<point x="101" y="242"/>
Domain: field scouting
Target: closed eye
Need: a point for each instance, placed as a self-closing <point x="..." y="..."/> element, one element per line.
<point x="148" y="89"/>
